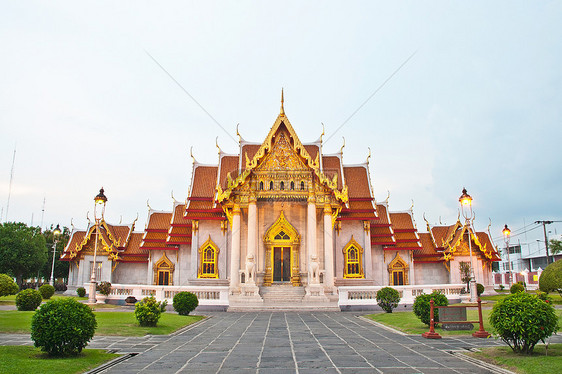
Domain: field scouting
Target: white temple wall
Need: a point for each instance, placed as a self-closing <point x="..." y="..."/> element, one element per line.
<point x="431" y="273"/>
<point x="212" y="229"/>
<point x="86" y="267"/>
<point x="348" y="229"/>
<point x="378" y="265"/>
<point x="183" y="265"/>
<point x="130" y="273"/>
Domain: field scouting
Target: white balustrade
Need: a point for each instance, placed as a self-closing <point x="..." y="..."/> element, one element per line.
<point x="207" y="295"/>
<point x="367" y="295"/>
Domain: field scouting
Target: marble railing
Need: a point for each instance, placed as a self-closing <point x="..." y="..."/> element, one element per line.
<point x="367" y="295"/>
<point x="207" y="295"/>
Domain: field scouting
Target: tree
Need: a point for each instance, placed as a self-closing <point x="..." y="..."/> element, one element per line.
<point x="22" y="250"/>
<point x="555" y="246"/>
<point x="61" y="267"/>
<point x="464" y="268"/>
<point x="551" y="278"/>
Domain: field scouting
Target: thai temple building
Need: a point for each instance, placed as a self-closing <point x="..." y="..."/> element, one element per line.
<point x="280" y="219"/>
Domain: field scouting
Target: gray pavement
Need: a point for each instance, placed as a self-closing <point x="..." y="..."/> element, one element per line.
<point x="291" y="342"/>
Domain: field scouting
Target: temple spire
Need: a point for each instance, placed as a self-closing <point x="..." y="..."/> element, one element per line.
<point x="282" y="114"/>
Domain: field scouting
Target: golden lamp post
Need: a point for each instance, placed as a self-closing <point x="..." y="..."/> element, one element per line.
<point x="56" y="234"/>
<point x="100" y="199"/>
<point x="506" y="233"/>
<point x="466" y="207"/>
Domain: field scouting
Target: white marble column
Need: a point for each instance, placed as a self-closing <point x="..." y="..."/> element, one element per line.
<point x="311" y="236"/>
<point x="235" y="252"/>
<point x="194" y="249"/>
<point x="367" y="254"/>
<point x="328" y="249"/>
<point x="252" y="233"/>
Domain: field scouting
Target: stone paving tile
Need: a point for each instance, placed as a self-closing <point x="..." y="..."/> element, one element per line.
<point x="278" y="342"/>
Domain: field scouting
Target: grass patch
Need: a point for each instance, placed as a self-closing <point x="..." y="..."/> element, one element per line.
<point x="109" y="323"/>
<point x="538" y="362"/>
<point x="25" y="359"/>
<point x="410" y="324"/>
<point x="8" y="300"/>
<point x="556" y="298"/>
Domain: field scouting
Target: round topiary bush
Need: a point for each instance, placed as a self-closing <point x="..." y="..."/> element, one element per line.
<point x="185" y="303"/>
<point x="388" y="299"/>
<point x="479" y="289"/>
<point x="81" y="291"/>
<point x="422" y="307"/>
<point x="148" y="311"/>
<point x="522" y="319"/>
<point x="63" y="327"/>
<point x="551" y="278"/>
<point x="7" y="285"/>
<point x="46" y="291"/>
<point x="516" y="287"/>
<point x="28" y="299"/>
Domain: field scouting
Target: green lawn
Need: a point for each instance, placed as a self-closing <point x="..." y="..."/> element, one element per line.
<point x="25" y="359"/>
<point x="11" y="299"/>
<point x="410" y="324"/>
<point x="556" y="299"/>
<point x="109" y="323"/>
<point x="537" y="363"/>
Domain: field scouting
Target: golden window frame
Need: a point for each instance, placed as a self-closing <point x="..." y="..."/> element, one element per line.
<point x="349" y="247"/>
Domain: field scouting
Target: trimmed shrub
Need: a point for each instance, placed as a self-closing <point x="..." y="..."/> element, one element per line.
<point x="28" y="299"/>
<point x="388" y="299"/>
<point x="502" y="287"/>
<point x="544" y="297"/>
<point x="516" y="288"/>
<point x="148" y="311"/>
<point x="185" y="303"/>
<point x="479" y="289"/>
<point x="551" y="278"/>
<point x="7" y="285"/>
<point x="63" y="327"/>
<point x="46" y="291"/>
<point x="104" y="288"/>
<point x="81" y="291"/>
<point x="422" y="306"/>
<point x="522" y="319"/>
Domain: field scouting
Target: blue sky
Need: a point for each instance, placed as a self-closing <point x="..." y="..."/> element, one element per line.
<point x="478" y="105"/>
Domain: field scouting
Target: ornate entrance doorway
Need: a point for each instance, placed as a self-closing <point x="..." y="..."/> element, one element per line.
<point x="281" y="264"/>
<point x="281" y="253"/>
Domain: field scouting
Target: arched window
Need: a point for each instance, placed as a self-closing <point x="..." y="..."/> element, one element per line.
<point x="208" y="260"/>
<point x="292" y="185"/>
<point x="353" y="260"/>
<point x="271" y="185"/>
<point x="261" y="186"/>
<point x="302" y="186"/>
<point x="398" y="271"/>
<point x="163" y="271"/>
<point x="282" y="186"/>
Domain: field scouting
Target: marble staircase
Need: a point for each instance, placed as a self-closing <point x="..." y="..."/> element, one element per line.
<point x="282" y="297"/>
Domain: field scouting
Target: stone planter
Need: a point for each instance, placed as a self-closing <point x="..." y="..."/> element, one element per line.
<point x="100" y="299"/>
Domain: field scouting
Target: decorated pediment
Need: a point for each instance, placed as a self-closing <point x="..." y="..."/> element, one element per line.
<point x="282" y="156"/>
<point x="456" y="243"/>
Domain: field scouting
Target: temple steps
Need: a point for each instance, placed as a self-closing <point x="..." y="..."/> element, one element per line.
<point x="283" y="298"/>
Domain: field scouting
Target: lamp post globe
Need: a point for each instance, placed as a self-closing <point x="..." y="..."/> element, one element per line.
<point x="506" y="234"/>
<point x="99" y="199"/>
<point x="56" y="233"/>
<point x="466" y="207"/>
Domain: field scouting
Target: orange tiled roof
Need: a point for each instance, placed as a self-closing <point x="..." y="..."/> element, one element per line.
<point x="133" y="247"/>
<point x="402" y="221"/>
<point x="75" y="239"/>
<point x="312" y="150"/>
<point x="427" y="253"/>
<point x="332" y="166"/>
<point x="228" y="164"/>
<point x="159" y="221"/>
<point x="357" y="181"/>
<point x="250" y="150"/>
<point x="204" y="181"/>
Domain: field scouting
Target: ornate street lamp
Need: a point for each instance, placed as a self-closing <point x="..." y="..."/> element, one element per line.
<point x="466" y="207"/>
<point x="100" y="199"/>
<point x="56" y="234"/>
<point x="506" y="233"/>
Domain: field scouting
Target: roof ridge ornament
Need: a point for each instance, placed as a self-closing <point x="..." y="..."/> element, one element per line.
<point x="282" y="112"/>
<point x="369" y="155"/>
<point x="343" y="146"/>
<point x="217" y="144"/>
<point x="240" y="138"/>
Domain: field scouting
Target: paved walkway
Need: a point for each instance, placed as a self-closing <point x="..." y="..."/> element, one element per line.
<point x="320" y="342"/>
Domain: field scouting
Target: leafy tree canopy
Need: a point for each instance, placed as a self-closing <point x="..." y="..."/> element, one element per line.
<point x="22" y="250"/>
<point x="61" y="267"/>
<point x="555" y="246"/>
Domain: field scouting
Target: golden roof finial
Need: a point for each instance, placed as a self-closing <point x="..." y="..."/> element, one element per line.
<point x="217" y="144"/>
<point x="282" y="114"/>
<point x="343" y="146"/>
